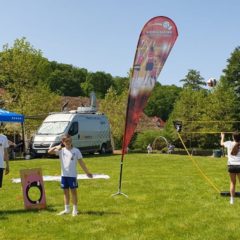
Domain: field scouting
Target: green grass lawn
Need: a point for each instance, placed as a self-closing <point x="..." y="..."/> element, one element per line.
<point x="168" y="199"/>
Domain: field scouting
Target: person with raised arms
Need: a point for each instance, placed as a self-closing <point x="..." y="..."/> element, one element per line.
<point x="233" y="152"/>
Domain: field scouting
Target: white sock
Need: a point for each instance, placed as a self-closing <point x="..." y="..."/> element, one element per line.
<point x="75" y="208"/>
<point x="231" y="200"/>
<point x="67" y="208"/>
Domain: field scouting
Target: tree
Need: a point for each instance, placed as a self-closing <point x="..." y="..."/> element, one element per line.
<point x="21" y="68"/>
<point x="99" y="82"/>
<point x="162" y="100"/>
<point x="190" y="105"/>
<point x="188" y="108"/>
<point x="87" y="87"/>
<point x="23" y="75"/>
<point x="231" y="76"/>
<point x="220" y="104"/>
<point x="38" y="102"/>
<point x="120" y="84"/>
<point x="66" y="79"/>
<point x="114" y="106"/>
<point x="193" y="80"/>
<point x="203" y="111"/>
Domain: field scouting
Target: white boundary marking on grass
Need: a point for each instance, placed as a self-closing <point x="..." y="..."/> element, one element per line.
<point x="58" y="178"/>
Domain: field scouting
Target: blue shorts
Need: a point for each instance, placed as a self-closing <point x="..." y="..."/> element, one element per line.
<point x="69" y="182"/>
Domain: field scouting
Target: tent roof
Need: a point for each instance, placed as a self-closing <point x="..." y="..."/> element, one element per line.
<point x="6" y="116"/>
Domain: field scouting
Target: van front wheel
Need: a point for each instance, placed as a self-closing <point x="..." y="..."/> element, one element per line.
<point x="103" y="149"/>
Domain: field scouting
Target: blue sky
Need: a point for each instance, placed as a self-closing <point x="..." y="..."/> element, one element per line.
<point x="101" y="35"/>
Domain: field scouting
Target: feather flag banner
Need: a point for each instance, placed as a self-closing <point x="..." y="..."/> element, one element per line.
<point x="154" y="45"/>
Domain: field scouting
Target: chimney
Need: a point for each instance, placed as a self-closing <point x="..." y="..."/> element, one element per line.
<point x="93" y="100"/>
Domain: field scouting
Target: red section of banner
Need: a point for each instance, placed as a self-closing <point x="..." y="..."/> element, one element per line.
<point x="154" y="45"/>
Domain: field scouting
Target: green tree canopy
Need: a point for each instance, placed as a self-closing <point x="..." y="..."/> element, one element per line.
<point x="114" y="106"/>
<point x="99" y="82"/>
<point x="189" y="107"/>
<point x="120" y="84"/>
<point x="193" y="80"/>
<point x="66" y="80"/>
<point x="37" y="102"/>
<point x="162" y="100"/>
<point x="22" y="66"/>
<point x="23" y="74"/>
<point x="203" y="111"/>
<point x="231" y="76"/>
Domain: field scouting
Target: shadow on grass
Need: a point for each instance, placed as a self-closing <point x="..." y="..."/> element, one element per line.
<point x="98" y="213"/>
<point x="3" y="213"/>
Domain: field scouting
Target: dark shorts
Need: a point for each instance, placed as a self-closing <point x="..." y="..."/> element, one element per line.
<point x="234" y="168"/>
<point x="69" y="182"/>
<point x="1" y="176"/>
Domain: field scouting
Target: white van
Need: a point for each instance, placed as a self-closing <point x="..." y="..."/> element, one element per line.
<point x="90" y="131"/>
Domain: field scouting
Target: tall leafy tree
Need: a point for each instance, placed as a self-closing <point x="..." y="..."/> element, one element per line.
<point x="120" y="84"/>
<point x="220" y="104"/>
<point x="23" y="74"/>
<point x="21" y="67"/>
<point x="87" y="87"/>
<point x="231" y="74"/>
<point x="231" y="77"/>
<point x="188" y="108"/>
<point x="99" y="82"/>
<point x="218" y="116"/>
<point x="36" y="102"/>
<point x="204" y="111"/>
<point x="193" y="80"/>
<point x="162" y="100"/>
<point x="66" y="79"/>
<point x="114" y="106"/>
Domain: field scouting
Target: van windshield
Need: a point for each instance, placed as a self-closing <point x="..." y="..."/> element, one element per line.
<point x="52" y="128"/>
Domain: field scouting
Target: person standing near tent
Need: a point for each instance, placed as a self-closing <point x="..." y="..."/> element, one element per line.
<point x="3" y="156"/>
<point x="233" y="151"/>
<point x="69" y="157"/>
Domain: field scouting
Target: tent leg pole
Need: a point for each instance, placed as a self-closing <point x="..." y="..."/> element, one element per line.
<point x="24" y="140"/>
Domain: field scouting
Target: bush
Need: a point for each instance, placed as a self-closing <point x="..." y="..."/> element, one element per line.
<point x="145" y="138"/>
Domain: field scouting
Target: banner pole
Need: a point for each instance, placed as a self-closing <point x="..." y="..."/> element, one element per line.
<point x="119" y="192"/>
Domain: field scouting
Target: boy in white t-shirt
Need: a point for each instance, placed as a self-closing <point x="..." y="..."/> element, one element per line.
<point x="3" y="156"/>
<point x="69" y="156"/>
<point x="233" y="151"/>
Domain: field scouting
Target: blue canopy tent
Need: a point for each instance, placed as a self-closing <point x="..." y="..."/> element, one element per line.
<point x="12" y="117"/>
<point x="6" y="116"/>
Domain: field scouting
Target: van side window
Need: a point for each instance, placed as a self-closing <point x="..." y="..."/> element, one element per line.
<point x="73" y="129"/>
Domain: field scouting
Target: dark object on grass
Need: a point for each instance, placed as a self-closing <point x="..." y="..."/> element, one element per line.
<point x="227" y="194"/>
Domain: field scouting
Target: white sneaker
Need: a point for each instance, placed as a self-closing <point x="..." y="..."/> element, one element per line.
<point x="231" y="200"/>
<point x="63" y="212"/>
<point x="74" y="213"/>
